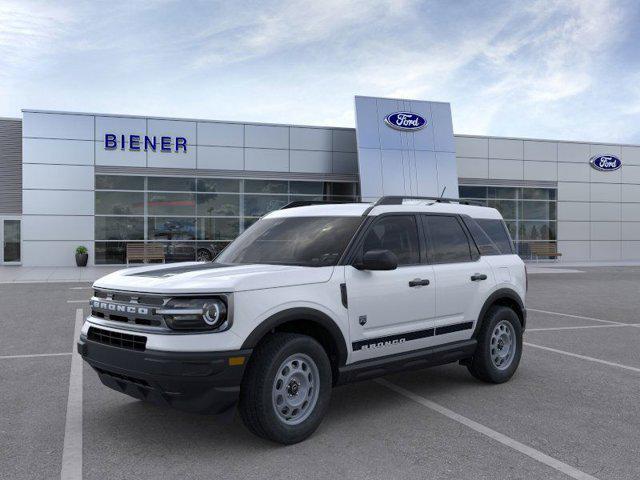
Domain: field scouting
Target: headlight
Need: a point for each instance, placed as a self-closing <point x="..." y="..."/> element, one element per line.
<point x="196" y="314"/>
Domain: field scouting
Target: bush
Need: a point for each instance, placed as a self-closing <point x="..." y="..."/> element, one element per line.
<point x="81" y="250"/>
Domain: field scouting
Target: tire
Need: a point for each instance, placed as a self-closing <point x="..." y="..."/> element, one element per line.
<point x="285" y="371"/>
<point x="490" y="363"/>
<point x="204" y="255"/>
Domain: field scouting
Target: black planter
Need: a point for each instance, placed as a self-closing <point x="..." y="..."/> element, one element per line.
<point x="81" y="259"/>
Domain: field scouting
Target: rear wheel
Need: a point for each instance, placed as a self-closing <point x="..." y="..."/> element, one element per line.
<point x="499" y="346"/>
<point x="286" y="390"/>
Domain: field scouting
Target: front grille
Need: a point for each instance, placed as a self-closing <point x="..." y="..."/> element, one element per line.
<point x="130" y="308"/>
<point x="117" y="339"/>
<point x="125" y="297"/>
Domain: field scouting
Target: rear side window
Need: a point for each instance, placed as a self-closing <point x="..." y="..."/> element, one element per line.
<point x="448" y="241"/>
<point x="484" y="243"/>
<point x="397" y="233"/>
<point x="498" y="233"/>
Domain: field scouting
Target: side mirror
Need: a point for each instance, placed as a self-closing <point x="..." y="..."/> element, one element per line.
<point x="378" y="260"/>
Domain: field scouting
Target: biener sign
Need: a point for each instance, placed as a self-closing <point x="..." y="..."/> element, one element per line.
<point x="145" y="143"/>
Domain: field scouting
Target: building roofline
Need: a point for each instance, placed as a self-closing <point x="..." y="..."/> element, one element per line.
<point x="180" y="119"/>
<point x="402" y="99"/>
<point x="548" y="140"/>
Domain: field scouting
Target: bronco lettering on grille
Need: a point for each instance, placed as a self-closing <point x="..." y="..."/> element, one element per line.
<point x="116" y="307"/>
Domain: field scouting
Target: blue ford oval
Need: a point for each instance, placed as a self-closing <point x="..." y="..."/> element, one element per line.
<point x="405" y="121"/>
<point x="605" y="163"/>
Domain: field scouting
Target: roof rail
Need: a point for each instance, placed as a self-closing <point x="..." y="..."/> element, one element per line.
<point x="306" y="203"/>
<point x="398" y="200"/>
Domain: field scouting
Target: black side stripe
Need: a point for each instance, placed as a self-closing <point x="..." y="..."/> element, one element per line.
<point x="456" y="327"/>
<point x="405" y="337"/>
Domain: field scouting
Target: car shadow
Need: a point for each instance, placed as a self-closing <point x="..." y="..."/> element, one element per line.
<point x="351" y="406"/>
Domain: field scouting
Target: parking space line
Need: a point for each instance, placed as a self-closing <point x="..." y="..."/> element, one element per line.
<point x="579" y="327"/>
<point x="32" y="355"/>
<point x="78" y="301"/>
<point x="578" y="316"/>
<point x="72" y="449"/>
<point x="583" y="357"/>
<point x="497" y="436"/>
<point x="80" y="288"/>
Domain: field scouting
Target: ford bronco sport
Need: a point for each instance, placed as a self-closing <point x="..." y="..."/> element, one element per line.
<point x="308" y="298"/>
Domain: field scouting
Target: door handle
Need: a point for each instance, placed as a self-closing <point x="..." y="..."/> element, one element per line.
<point x="418" y="282"/>
<point x="478" y="276"/>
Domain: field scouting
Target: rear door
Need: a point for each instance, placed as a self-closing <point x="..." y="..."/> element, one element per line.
<point x="391" y="311"/>
<point x="462" y="278"/>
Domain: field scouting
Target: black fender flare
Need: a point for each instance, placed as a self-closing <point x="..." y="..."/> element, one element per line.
<point x="501" y="294"/>
<point x="300" y="314"/>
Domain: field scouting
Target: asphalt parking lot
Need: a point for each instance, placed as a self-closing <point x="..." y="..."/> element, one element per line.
<point x="571" y="411"/>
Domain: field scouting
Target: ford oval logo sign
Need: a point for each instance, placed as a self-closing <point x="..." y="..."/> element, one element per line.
<point x="405" y="121"/>
<point x="605" y="163"/>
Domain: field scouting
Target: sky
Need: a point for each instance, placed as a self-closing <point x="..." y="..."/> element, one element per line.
<point x="540" y="69"/>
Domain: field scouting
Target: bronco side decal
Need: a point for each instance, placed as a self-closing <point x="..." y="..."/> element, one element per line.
<point x="390" y="340"/>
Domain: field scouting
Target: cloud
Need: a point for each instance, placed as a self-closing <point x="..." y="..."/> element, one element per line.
<point x="520" y="68"/>
<point x="28" y="30"/>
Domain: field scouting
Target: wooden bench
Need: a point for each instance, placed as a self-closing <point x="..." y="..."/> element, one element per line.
<point x="144" y="252"/>
<point x="546" y="249"/>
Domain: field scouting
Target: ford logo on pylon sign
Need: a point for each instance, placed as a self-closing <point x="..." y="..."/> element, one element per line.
<point x="605" y="163"/>
<point x="405" y="121"/>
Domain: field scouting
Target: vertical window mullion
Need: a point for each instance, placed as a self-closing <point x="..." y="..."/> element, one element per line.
<point x="241" y="205"/>
<point x="146" y="209"/>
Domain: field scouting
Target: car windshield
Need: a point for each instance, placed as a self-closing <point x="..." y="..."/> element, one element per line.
<point x="304" y="241"/>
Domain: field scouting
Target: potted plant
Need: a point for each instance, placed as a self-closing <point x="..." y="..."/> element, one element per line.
<point x="82" y="255"/>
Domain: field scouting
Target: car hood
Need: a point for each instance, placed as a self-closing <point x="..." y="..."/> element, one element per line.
<point x="198" y="277"/>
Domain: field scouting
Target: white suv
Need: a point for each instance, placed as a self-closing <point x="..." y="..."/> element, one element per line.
<point x="308" y="298"/>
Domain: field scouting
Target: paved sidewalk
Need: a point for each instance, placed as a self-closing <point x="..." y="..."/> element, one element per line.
<point x="19" y="274"/>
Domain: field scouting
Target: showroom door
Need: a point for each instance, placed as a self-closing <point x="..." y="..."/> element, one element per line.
<point x="10" y="240"/>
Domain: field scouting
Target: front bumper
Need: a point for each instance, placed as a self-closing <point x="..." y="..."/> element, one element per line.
<point x="199" y="382"/>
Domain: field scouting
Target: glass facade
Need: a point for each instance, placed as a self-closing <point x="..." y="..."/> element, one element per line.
<point x="193" y="218"/>
<point x="530" y="213"/>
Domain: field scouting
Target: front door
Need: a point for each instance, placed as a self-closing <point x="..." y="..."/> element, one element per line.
<point x="391" y="311"/>
<point x="10" y="240"/>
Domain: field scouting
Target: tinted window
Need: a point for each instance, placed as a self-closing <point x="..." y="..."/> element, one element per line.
<point x="449" y="243"/>
<point x="118" y="182"/>
<point x="398" y="234"/>
<point x="484" y="243"/>
<point x="176" y="184"/>
<point x="497" y="232"/>
<point x="171" y="228"/>
<point x="119" y="203"/>
<point x="171" y="204"/>
<point x="119" y="228"/>
<point x="265" y="186"/>
<point x="305" y="241"/>
<point x="212" y="185"/>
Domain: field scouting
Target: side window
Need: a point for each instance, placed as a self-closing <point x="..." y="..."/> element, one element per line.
<point x="484" y="243"/>
<point x="397" y="233"/>
<point x="448" y="241"/>
<point x="498" y="233"/>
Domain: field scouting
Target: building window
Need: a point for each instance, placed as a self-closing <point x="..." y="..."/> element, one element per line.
<point x="193" y="218"/>
<point x="530" y="213"/>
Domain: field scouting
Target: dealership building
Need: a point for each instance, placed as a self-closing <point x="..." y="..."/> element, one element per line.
<point x="110" y="182"/>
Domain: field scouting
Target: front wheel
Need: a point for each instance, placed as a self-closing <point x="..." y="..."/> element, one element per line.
<point x="204" y="255"/>
<point x="286" y="390"/>
<point x="499" y="347"/>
